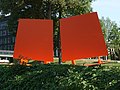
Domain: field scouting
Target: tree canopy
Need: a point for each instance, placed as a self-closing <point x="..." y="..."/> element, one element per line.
<point x="111" y="33"/>
<point x="42" y="9"/>
<point x="55" y="9"/>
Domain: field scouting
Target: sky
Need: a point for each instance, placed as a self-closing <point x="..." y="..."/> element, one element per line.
<point x="108" y="8"/>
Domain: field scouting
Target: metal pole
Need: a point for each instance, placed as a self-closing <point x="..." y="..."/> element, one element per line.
<point x="59" y="39"/>
<point x="59" y="48"/>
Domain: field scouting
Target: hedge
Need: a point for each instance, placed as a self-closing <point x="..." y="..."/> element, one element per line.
<point x="59" y="77"/>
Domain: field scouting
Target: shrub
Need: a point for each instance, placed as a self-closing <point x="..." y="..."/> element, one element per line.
<point x="58" y="77"/>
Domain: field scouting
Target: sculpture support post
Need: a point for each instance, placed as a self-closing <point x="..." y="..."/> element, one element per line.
<point x="73" y="62"/>
<point x="99" y="60"/>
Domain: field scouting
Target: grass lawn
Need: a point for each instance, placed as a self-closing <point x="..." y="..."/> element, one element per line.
<point x="81" y="62"/>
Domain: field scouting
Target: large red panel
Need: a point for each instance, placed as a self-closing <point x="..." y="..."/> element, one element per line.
<point x="34" y="39"/>
<point x="81" y="37"/>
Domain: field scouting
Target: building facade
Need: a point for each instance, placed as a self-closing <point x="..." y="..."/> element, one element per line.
<point x="7" y="40"/>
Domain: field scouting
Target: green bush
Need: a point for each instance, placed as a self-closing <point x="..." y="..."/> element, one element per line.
<point x="59" y="77"/>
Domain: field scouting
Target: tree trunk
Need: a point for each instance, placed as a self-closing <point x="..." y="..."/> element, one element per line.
<point x="119" y="53"/>
<point x="49" y="14"/>
<point x="59" y="39"/>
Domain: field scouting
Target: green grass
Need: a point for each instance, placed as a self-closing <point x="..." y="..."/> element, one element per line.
<point x="81" y="62"/>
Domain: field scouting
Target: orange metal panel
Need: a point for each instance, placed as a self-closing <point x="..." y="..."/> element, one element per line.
<point x="34" y="40"/>
<point x="81" y="37"/>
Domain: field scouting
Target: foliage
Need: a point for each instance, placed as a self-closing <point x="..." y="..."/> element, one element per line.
<point x="111" y="33"/>
<point x="58" y="77"/>
<point x="43" y="9"/>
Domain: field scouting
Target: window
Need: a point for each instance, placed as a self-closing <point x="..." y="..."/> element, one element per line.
<point x="13" y="39"/>
<point x="0" y="33"/>
<point x="8" y="40"/>
<point x="3" y="25"/>
<point x="5" y="47"/>
<point x="0" y="41"/>
<point x="8" y="47"/>
<point x="11" y="47"/>
<point x="3" y="32"/>
<point x="5" y="40"/>
<point x="0" y="27"/>
<point x="8" y="32"/>
<point x="0" y="47"/>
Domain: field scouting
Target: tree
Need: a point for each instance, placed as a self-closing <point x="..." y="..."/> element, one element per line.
<point x="43" y="9"/>
<point x="112" y="37"/>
